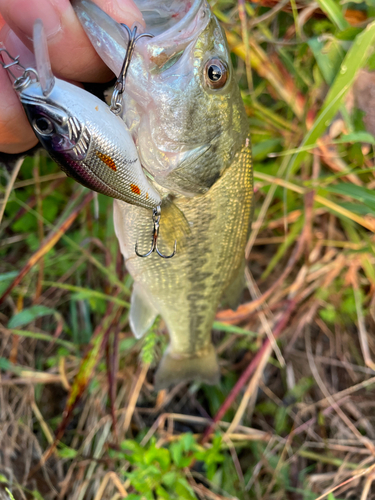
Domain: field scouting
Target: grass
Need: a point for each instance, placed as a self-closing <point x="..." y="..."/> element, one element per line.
<point x="293" y="416"/>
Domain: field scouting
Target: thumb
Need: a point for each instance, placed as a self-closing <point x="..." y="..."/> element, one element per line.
<point x="71" y="53"/>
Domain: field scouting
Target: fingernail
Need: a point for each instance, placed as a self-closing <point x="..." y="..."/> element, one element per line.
<point x="16" y="48"/>
<point x="23" y="14"/>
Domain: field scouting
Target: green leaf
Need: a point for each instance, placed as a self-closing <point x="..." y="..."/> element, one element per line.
<point x="281" y="420"/>
<point x="328" y="314"/>
<point x="162" y="494"/>
<point x="184" y="490"/>
<point x="37" y="495"/>
<point x="170" y="478"/>
<point x="10" y="494"/>
<point x="362" y="194"/>
<point x="262" y="149"/>
<point x="44" y="337"/>
<point x="357" y="208"/>
<point x="176" y="453"/>
<point x="349" y="33"/>
<point x="6" y="279"/>
<point x="333" y="11"/>
<point x="6" y="365"/>
<point x="224" y="327"/>
<point x="328" y="56"/>
<point x="67" y="452"/>
<point x="8" y="276"/>
<point x="30" y="314"/>
<point x="159" y="455"/>
<point x="356" y="137"/>
<point x="129" y="444"/>
<point x="86" y="293"/>
<point x="355" y="59"/>
<point x="187" y="441"/>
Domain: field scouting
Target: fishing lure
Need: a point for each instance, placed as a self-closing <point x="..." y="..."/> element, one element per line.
<point x="84" y="136"/>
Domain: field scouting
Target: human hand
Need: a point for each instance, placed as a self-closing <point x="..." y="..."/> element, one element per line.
<point x="72" y="56"/>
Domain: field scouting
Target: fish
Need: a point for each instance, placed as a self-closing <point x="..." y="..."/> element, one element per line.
<point x="82" y="135"/>
<point x="183" y="108"/>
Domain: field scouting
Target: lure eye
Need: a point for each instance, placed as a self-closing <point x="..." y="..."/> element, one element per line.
<point x="216" y="73"/>
<point x="43" y="126"/>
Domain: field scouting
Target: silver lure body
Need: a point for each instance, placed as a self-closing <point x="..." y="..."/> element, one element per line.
<point x="88" y="142"/>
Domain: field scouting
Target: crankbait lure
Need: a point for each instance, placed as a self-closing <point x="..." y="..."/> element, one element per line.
<point x="85" y="137"/>
<point x="80" y="133"/>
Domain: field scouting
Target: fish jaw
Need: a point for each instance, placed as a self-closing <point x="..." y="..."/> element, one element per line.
<point x="161" y="16"/>
<point x="89" y="142"/>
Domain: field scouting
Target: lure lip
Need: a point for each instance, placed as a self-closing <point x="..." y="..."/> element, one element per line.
<point x="43" y="63"/>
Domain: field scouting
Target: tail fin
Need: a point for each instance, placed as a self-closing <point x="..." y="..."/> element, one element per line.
<point x="174" y="369"/>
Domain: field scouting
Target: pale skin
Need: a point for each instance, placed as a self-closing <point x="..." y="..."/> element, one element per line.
<point x="72" y="56"/>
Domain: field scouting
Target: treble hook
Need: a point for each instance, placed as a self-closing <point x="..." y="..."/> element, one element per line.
<point x="116" y="105"/>
<point x="154" y="247"/>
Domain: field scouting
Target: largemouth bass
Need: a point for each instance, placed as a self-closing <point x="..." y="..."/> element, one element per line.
<point x="184" y="110"/>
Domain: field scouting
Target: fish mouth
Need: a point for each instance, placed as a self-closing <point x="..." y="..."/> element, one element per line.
<point x="163" y="21"/>
<point x="179" y="29"/>
<point x="173" y="24"/>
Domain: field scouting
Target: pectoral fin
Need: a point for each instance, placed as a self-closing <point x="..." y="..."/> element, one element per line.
<point x="174" y="369"/>
<point x="142" y="313"/>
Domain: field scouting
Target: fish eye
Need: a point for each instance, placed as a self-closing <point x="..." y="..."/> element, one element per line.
<point x="43" y="126"/>
<point x="216" y="73"/>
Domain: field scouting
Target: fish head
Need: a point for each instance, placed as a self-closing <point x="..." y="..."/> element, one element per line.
<point x="188" y="109"/>
<point x="55" y="127"/>
<point x="182" y="104"/>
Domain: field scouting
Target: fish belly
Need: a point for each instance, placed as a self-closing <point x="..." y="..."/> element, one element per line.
<point x="187" y="289"/>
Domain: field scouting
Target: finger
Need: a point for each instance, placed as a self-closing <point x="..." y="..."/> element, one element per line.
<point x="16" y="134"/>
<point x="72" y="55"/>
